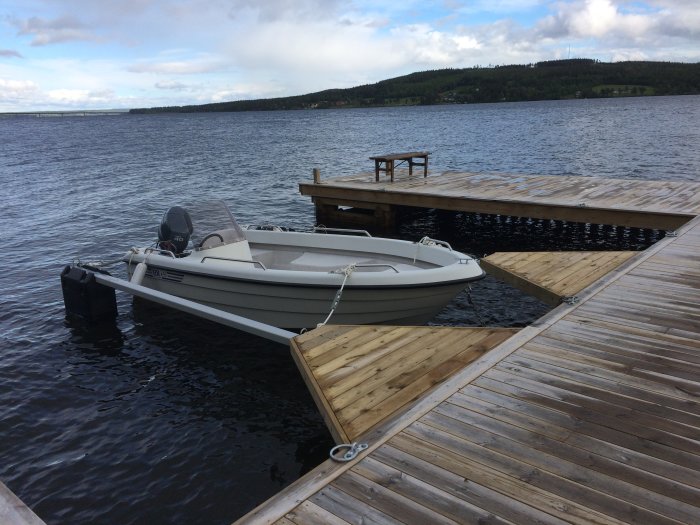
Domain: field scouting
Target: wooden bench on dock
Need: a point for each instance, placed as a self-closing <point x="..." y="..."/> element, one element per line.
<point x="386" y="163"/>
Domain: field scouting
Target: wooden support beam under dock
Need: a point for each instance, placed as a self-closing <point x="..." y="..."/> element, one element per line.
<point x="360" y="375"/>
<point x="663" y="205"/>
<point x="589" y="416"/>
<point x="553" y="277"/>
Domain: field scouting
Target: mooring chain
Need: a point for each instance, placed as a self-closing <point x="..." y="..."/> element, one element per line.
<point x="471" y="302"/>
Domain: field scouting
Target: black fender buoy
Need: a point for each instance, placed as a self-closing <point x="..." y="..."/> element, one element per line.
<point x="85" y="298"/>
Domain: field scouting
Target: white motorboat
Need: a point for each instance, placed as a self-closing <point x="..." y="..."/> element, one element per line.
<point x="300" y="279"/>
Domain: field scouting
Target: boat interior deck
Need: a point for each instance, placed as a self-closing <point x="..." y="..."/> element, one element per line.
<point x="329" y="260"/>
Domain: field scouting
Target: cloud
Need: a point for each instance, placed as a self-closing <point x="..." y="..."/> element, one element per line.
<point x="308" y="47"/>
<point x="241" y="91"/>
<point x="58" y="30"/>
<point x="607" y="19"/>
<point x="53" y="83"/>
<point x="620" y="30"/>
<point x="424" y="45"/>
<point x="186" y="66"/>
<point x="16" y="93"/>
<point x="350" y="48"/>
<point x="679" y="19"/>
<point x="275" y="10"/>
<point x="578" y="19"/>
<point x="172" y="84"/>
<point x="80" y="97"/>
<point x="10" y="53"/>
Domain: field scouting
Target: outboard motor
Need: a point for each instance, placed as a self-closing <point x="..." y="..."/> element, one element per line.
<point x="175" y="230"/>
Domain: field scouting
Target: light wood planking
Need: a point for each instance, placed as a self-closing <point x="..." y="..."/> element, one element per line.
<point x="552" y="276"/>
<point x="592" y="415"/>
<point x="635" y="203"/>
<point x="374" y="371"/>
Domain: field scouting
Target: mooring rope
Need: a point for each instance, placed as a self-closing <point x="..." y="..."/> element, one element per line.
<point x="97" y="264"/>
<point x="347" y="272"/>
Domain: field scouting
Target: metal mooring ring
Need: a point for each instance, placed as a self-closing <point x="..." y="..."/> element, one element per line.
<point x="353" y="450"/>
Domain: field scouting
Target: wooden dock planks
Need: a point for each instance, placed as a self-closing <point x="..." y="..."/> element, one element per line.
<point x="360" y="375"/>
<point x="591" y="415"/>
<point x="553" y="276"/>
<point x="635" y="203"/>
<point x="13" y="511"/>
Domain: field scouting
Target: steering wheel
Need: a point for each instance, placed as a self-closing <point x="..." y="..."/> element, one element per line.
<point x="209" y="237"/>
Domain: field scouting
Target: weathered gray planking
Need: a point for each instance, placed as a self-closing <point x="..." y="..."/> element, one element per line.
<point x="635" y="203"/>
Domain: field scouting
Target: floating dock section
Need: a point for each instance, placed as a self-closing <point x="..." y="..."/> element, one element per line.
<point x="590" y="415"/>
<point x="553" y="277"/>
<point x="663" y="205"/>
<point x="360" y="376"/>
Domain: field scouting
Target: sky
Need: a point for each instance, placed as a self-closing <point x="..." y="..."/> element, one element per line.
<point x="119" y="54"/>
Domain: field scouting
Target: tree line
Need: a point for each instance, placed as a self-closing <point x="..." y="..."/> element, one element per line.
<point x="549" y="80"/>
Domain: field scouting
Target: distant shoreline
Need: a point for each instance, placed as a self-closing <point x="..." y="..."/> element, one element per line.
<point x="119" y="112"/>
<point x="578" y="78"/>
<point x="71" y="113"/>
<point x="127" y="112"/>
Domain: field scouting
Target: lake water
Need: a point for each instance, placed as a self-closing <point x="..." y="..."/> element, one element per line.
<point x="164" y="418"/>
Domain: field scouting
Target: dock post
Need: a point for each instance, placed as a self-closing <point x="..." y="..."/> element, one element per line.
<point x="325" y="213"/>
<point x="384" y="217"/>
<point x="317" y="176"/>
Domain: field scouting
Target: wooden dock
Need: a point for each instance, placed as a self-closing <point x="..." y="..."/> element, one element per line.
<point x="590" y="415"/>
<point x="553" y="277"/>
<point x="13" y="511"/>
<point x="361" y="375"/>
<point x="663" y="205"/>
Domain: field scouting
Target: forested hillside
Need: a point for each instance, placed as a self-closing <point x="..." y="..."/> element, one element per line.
<point x="552" y="80"/>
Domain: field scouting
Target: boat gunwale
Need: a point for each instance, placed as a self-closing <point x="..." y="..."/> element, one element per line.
<point x="330" y="286"/>
<point x="445" y="262"/>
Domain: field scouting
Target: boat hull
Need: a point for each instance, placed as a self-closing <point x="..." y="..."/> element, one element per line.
<point x="299" y="306"/>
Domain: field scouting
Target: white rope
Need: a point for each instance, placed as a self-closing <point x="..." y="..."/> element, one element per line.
<point x="98" y="265"/>
<point x="132" y="252"/>
<point x="427" y="241"/>
<point x="347" y="271"/>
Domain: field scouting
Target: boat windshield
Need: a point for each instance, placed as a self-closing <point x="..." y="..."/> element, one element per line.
<point x="214" y="216"/>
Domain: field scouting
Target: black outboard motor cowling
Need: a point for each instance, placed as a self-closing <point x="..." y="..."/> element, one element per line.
<point x="175" y="230"/>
